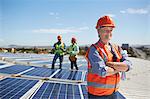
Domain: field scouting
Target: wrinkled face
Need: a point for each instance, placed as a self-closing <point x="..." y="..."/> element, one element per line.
<point x="105" y="34"/>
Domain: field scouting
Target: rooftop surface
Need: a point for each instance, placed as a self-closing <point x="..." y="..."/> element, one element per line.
<point x="29" y="76"/>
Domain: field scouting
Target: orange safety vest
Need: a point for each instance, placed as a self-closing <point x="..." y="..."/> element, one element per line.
<point x="98" y="85"/>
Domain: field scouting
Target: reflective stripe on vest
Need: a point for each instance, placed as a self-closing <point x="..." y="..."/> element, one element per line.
<point x="98" y="92"/>
<point x="98" y="85"/>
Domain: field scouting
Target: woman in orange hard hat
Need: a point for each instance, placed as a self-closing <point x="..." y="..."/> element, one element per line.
<point x="73" y="51"/>
<point x="106" y="63"/>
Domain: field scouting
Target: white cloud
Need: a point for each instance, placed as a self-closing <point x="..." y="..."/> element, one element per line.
<point x="53" y="13"/>
<point x="135" y="11"/>
<point x="62" y="31"/>
<point x="122" y="11"/>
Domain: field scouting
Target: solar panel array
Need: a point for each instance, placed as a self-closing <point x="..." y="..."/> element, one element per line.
<point x="40" y="71"/>
<point x="41" y="60"/>
<point x="70" y="75"/>
<point x="14" y="69"/>
<point x="59" y="84"/>
<point x="57" y="91"/>
<point x="12" y="88"/>
<point x="1" y="63"/>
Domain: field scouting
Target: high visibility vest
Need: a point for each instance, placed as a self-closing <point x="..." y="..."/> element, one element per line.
<point x="59" y="49"/>
<point x="96" y="84"/>
<point x="73" y="48"/>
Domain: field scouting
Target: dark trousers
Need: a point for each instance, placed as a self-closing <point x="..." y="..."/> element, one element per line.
<point x="115" y="95"/>
<point x="60" y="60"/>
<point x="74" y="63"/>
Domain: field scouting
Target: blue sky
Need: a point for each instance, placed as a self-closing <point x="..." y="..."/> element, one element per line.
<point x="38" y="22"/>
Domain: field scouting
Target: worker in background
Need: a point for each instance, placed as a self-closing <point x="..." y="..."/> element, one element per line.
<point x="59" y="49"/>
<point x="106" y="63"/>
<point x="73" y="51"/>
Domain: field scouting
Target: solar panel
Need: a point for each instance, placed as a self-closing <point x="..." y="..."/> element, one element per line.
<point x="2" y="63"/>
<point x="12" y="88"/>
<point x="69" y="75"/>
<point x="59" y="91"/>
<point x="40" y="71"/>
<point x="63" y="87"/>
<point x="14" y="69"/>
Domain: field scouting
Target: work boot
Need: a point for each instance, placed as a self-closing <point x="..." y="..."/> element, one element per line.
<point x="52" y="66"/>
<point x="60" y="65"/>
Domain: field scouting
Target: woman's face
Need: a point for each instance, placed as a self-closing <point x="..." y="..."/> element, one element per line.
<point x="105" y="34"/>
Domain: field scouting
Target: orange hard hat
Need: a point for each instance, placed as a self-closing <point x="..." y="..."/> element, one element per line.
<point x="59" y="37"/>
<point x="105" y="21"/>
<point x="73" y="40"/>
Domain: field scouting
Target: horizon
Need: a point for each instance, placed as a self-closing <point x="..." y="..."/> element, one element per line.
<point x="21" y="46"/>
<point x="38" y="22"/>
